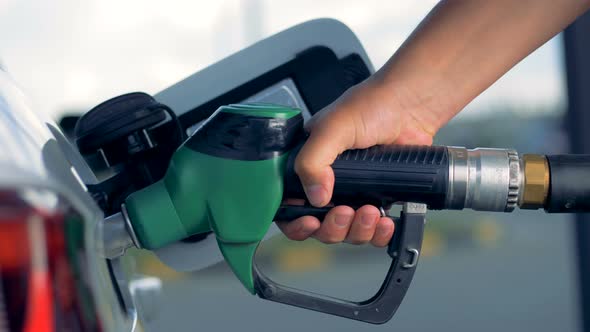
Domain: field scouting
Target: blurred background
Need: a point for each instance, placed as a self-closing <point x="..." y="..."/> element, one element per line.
<point x="478" y="271"/>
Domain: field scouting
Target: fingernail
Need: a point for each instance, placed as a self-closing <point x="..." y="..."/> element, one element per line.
<point x="368" y="220"/>
<point x="342" y="220"/>
<point x="316" y="194"/>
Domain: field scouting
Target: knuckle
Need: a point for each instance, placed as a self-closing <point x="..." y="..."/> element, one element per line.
<point x="302" y="168"/>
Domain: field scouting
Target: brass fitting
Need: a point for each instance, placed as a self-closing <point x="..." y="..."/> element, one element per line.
<point x="535" y="182"/>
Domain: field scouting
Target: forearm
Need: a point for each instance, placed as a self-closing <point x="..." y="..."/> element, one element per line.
<point x="463" y="46"/>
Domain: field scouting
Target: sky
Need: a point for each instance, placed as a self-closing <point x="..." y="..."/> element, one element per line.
<point x="69" y="55"/>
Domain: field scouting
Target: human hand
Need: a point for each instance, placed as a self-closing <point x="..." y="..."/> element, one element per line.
<point x="446" y="62"/>
<point x="364" y="116"/>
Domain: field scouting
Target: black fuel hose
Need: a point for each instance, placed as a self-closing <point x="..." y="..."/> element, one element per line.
<point x="569" y="186"/>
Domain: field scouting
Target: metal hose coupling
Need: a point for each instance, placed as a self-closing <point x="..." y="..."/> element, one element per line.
<point x="484" y="179"/>
<point x="535" y="182"/>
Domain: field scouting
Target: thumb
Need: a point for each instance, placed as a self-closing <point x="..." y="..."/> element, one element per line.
<point x="313" y="163"/>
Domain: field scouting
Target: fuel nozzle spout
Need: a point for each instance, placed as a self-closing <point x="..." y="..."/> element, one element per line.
<point x="115" y="235"/>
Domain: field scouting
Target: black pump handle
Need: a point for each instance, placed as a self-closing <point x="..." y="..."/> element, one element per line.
<point x="382" y="175"/>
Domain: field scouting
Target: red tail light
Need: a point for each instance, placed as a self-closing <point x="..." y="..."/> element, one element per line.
<point x="44" y="284"/>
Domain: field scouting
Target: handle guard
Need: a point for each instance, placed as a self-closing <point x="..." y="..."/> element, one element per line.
<point x="404" y="250"/>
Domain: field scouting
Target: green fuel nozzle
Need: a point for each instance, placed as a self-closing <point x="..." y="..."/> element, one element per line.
<point x="231" y="177"/>
<point x="226" y="178"/>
